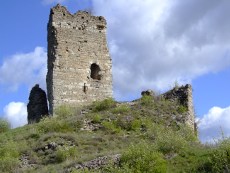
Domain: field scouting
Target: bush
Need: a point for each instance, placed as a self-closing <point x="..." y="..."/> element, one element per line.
<point x="143" y="158"/>
<point x="111" y="127"/>
<point x="63" y="154"/>
<point x="147" y="100"/>
<point x="4" y="126"/>
<point x="9" y="157"/>
<point x="220" y="159"/>
<point x="64" y="111"/>
<point x="121" y="109"/>
<point x="96" y="118"/>
<point x="49" y="124"/>
<point x="103" y="105"/>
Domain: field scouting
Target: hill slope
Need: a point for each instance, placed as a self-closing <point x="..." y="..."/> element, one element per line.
<point x="147" y="135"/>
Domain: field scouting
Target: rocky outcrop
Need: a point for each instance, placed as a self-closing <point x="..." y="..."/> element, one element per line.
<point x="37" y="106"/>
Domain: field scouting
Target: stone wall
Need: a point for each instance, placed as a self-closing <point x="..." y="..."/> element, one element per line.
<point x="183" y="95"/>
<point x="79" y="64"/>
<point x="37" y="106"/>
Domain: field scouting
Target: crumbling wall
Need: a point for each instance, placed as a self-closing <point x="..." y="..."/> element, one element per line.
<point x="37" y="106"/>
<point x="79" y="64"/>
<point x="183" y="95"/>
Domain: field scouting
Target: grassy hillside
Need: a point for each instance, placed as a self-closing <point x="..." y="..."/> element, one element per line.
<point x="143" y="136"/>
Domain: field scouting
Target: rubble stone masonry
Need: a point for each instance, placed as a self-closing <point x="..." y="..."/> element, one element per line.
<point x="79" y="64"/>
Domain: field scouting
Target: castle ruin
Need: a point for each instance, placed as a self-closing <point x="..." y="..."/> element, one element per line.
<point x="79" y="64"/>
<point x="183" y="95"/>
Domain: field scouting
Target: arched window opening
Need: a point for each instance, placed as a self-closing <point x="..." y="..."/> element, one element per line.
<point x="95" y="72"/>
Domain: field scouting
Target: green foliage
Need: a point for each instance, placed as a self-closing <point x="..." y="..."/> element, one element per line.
<point x="120" y="109"/>
<point x="182" y="109"/>
<point x="96" y="118"/>
<point x="9" y="157"/>
<point x="103" y="105"/>
<point x="160" y="143"/>
<point x="143" y="158"/>
<point x="4" y="125"/>
<point x="65" y="153"/>
<point x="220" y="158"/>
<point x="111" y="127"/>
<point x="54" y="125"/>
<point x="64" y="111"/>
<point x="146" y="100"/>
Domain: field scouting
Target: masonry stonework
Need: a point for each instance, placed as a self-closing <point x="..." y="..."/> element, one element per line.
<point x="183" y="95"/>
<point x="79" y="64"/>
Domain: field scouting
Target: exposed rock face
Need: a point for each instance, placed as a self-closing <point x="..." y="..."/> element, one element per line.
<point x="79" y="64"/>
<point x="37" y="106"/>
<point x="183" y="95"/>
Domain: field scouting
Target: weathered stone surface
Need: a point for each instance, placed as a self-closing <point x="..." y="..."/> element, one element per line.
<point x="79" y="64"/>
<point x="183" y="95"/>
<point x="37" y="106"/>
<point x="96" y="163"/>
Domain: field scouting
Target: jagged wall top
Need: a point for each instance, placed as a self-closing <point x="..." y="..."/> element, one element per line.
<point x="60" y="13"/>
<point x="79" y="64"/>
<point x="183" y="95"/>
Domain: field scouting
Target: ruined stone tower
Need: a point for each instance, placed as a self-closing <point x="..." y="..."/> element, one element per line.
<point x="183" y="95"/>
<point x="79" y="64"/>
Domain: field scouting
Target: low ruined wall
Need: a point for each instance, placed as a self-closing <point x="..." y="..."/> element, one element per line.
<point x="183" y="95"/>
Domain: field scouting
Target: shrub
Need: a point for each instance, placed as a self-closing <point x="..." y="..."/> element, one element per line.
<point x="220" y="159"/>
<point x="141" y="158"/>
<point x="9" y="157"/>
<point x="4" y="126"/>
<point x="96" y="118"/>
<point x="111" y="127"/>
<point x="64" y="111"/>
<point x="55" y="125"/>
<point x="63" y="154"/>
<point x="121" y="109"/>
<point x="103" y="105"/>
<point x="147" y="100"/>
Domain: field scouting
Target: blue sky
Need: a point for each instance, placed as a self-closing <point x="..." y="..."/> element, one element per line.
<point x="153" y="43"/>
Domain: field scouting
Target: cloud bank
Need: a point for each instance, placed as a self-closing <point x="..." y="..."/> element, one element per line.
<point x="24" y="69"/>
<point x="215" y="122"/>
<point x="16" y="114"/>
<point x="154" y="43"/>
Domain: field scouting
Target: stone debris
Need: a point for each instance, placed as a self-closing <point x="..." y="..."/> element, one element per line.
<point x="97" y="163"/>
<point x="88" y="125"/>
<point x="26" y="163"/>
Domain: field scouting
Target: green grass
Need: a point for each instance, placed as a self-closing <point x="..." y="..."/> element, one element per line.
<point x="4" y="126"/>
<point x="145" y="134"/>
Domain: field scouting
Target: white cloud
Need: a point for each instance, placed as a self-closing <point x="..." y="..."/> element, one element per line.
<point x="24" y="69"/>
<point x="16" y="114"/>
<point x="154" y="43"/>
<point x="216" y="121"/>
